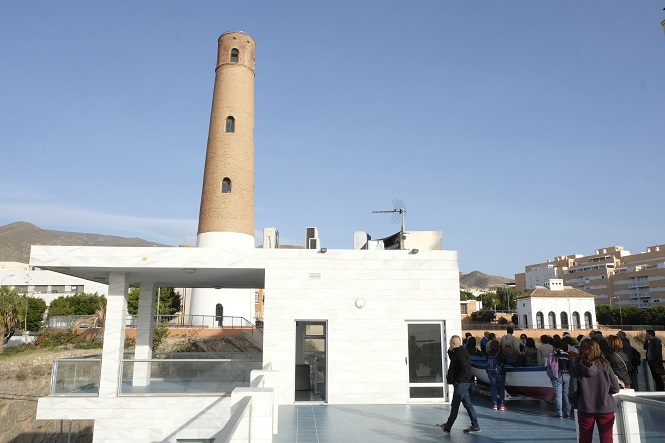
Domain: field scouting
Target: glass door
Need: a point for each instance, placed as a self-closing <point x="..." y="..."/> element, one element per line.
<point x="425" y="360"/>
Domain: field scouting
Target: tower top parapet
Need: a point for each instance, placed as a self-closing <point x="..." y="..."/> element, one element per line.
<point x="236" y="48"/>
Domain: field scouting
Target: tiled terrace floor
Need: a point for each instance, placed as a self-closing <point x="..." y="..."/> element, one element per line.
<point x="525" y="421"/>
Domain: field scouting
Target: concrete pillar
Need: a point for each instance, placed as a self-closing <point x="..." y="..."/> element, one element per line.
<point x="144" y="330"/>
<point x="114" y="335"/>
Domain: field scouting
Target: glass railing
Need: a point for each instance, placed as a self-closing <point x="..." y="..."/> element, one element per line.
<point x="643" y="416"/>
<point x="185" y="376"/>
<point x="76" y="376"/>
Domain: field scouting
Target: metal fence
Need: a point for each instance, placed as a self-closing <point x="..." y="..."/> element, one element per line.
<point x="173" y="321"/>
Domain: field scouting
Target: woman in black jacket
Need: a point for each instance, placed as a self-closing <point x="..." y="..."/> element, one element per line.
<point x="619" y="360"/>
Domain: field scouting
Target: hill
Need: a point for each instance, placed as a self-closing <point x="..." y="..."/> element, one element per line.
<point x="16" y="238"/>
<point x="478" y="280"/>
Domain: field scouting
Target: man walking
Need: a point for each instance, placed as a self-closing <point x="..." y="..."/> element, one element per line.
<point x="654" y="349"/>
<point x="459" y="375"/>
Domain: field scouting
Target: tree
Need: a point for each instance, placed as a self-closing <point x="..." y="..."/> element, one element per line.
<point x="489" y="299"/>
<point x="36" y="309"/>
<point x="169" y="301"/>
<point x="466" y="295"/>
<point x="507" y="298"/>
<point x="483" y="316"/>
<point x="12" y="312"/>
<point x="77" y="304"/>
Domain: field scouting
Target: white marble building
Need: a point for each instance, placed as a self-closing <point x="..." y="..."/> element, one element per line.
<point x="351" y="310"/>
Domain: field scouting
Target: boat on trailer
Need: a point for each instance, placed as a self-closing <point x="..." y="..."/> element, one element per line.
<point x="521" y="381"/>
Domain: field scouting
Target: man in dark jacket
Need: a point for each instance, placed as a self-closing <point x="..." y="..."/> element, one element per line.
<point x="654" y="349"/>
<point x="459" y="375"/>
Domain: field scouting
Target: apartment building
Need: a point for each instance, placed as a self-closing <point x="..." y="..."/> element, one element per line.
<point x="639" y="280"/>
<point x="612" y="275"/>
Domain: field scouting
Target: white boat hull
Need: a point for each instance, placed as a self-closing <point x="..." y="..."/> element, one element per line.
<point x="529" y="381"/>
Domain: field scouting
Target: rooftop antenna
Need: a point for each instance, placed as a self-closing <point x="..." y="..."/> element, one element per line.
<point x="398" y="212"/>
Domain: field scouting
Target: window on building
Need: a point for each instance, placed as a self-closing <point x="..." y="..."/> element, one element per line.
<point x="551" y="320"/>
<point x="540" y="320"/>
<point x="234" y="55"/>
<point x="525" y="320"/>
<point x="230" y="124"/>
<point x="588" y="324"/>
<point x="226" y="185"/>
<point x="576" y="320"/>
<point x="564" y="320"/>
<point x="463" y="308"/>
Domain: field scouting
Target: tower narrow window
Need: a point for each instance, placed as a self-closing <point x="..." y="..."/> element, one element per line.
<point x="234" y="55"/>
<point x="226" y="185"/>
<point x="230" y="124"/>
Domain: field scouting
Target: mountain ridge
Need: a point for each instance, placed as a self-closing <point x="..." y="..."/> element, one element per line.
<point x="16" y="239"/>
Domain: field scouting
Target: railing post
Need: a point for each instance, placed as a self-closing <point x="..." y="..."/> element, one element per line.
<point x="628" y="426"/>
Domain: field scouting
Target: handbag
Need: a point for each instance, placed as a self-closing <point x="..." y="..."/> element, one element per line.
<point x="622" y="385"/>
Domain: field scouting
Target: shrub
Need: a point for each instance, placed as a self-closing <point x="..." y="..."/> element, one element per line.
<point x="68" y="338"/>
<point x="159" y="333"/>
<point x="483" y="316"/>
<point x="21" y="374"/>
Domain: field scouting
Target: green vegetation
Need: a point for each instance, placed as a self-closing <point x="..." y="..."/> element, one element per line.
<point x="12" y="312"/>
<point x="77" y="304"/>
<point x="483" y="316"/>
<point x="630" y="315"/>
<point x="169" y="301"/>
<point x="159" y="333"/>
<point x="36" y="309"/>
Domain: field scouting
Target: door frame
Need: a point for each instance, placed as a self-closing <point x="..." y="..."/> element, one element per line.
<point x="444" y="364"/>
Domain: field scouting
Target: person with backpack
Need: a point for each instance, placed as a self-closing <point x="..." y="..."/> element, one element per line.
<point x="496" y="372"/>
<point x="592" y="384"/>
<point x="558" y="369"/>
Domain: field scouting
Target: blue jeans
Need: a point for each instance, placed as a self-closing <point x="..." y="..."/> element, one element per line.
<point x="560" y="386"/>
<point x="498" y="381"/>
<point x="461" y="395"/>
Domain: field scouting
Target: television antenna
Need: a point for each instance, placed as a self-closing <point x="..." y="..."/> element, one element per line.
<point x="398" y="212"/>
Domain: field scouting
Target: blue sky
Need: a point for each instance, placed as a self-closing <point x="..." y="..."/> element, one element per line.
<point x="520" y="129"/>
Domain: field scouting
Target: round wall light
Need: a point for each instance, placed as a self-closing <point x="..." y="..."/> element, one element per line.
<point x="360" y="303"/>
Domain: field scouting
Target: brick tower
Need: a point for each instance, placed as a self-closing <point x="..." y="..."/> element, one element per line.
<point x="227" y="200"/>
<point x="226" y="218"/>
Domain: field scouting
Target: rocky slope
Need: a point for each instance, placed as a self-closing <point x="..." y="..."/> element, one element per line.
<point x="24" y="379"/>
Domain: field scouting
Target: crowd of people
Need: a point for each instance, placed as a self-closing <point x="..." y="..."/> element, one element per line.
<point x="585" y="371"/>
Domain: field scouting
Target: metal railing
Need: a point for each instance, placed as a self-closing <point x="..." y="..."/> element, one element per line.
<point x="632" y="327"/>
<point x="173" y="321"/>
<point x="198" y="321"/>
